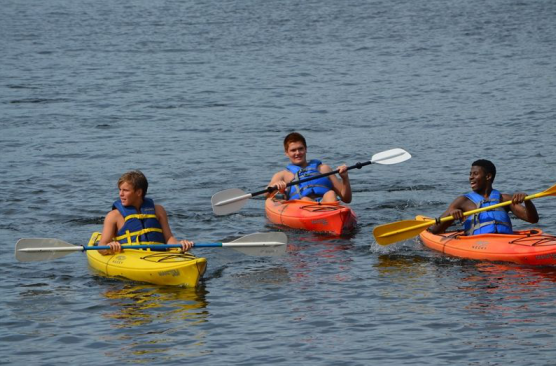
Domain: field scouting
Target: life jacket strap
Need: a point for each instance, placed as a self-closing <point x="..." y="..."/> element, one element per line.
<point x="477" y="225"/>
<point x="137" y="234"/>
<point x="140" y="216"/>
<point x="298" y="190"/>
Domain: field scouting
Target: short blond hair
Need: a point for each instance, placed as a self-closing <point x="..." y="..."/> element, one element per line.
<point x="137" y="179"/>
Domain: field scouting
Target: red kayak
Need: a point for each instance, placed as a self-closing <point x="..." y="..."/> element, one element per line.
<point x="523" y="247"/>
<point x="332" y="218"/>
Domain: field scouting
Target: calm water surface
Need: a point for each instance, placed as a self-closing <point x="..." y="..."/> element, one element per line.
<point x="199" y="95"/>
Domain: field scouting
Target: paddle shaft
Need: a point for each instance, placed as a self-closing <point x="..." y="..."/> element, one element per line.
<point x="168" y="246"/>
<point x="81" y="248"/>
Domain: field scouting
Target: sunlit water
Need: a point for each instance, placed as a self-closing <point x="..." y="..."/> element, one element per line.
<point x="199" y="95"/>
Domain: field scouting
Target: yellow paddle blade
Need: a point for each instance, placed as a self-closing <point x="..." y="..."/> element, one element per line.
<point x="549" y="192"/>
<point x="400" y="230"/>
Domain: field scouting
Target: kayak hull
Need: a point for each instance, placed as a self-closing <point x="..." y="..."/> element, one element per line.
<point x="330" y="218"/>
<point x="170" y="268"/>
<point x="531" y="247"/>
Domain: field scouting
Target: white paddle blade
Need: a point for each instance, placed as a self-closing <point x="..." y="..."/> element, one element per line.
<point x="229" y="201"/>
<point x="261" y="244"/>
<point x="393" y="156"/>
<point x="38" y="249"/>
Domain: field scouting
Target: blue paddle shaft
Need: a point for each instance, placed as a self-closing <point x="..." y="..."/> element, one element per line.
<point x="154" y="246"/>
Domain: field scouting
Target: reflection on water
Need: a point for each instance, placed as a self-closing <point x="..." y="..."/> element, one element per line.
<point x="318" y="256"/>
<point x="509" y="279"/>
<point x="391" y="263"/>
<point x="481" y="294"/>
<point x="321" y="245"/>
<point x="508" y="289"/>
<point x="153" y="324"/>
<point x="261" y="276"/>
<point x="406" y="278"/>
<point x="137" y="305"/>
<point x="400" y="268"/>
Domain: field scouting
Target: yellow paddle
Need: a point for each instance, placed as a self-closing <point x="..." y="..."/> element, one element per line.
<point x="403" y="230"/>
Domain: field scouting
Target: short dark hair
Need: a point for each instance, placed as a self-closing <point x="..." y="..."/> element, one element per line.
<point x="294" y="137"/>
<point x="137" y="179"/>
<point x="487" y="166"/>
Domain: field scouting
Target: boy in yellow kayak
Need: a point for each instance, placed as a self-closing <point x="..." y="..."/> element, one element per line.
<point x="326" y="189"/>
<point x="481" y="177"/>
<point x="135" y="219"/>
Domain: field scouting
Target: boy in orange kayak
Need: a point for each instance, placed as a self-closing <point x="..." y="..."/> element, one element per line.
<point x="481" y="177"/>
<point x="135" y="219"/>
<point x="326" y="189"/>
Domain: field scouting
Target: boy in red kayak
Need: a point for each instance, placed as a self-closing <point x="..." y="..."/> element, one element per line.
<point x="325" y="190"/>
<point x="135" y="219"/>
<point x="497" y="220"/>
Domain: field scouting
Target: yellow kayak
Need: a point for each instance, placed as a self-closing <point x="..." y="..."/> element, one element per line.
<point x="170" y="268"/>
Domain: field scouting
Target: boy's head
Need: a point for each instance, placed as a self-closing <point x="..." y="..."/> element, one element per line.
<point x="294" y="137"/>
<point x="137" y="179"/>
<point x="488" y="167"/>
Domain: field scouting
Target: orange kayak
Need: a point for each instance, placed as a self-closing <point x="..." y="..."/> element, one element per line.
<point x="531" y="247"/>
<point x="332" y="218"/>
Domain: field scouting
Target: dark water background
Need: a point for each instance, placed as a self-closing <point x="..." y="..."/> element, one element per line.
<point x="199" y="95"/>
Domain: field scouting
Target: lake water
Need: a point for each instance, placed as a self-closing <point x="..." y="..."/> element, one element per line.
<point x="199" y="95"/>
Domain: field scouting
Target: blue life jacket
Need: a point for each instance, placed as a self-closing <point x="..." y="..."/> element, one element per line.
<point x="315" y="187"/>
<point x="493" y="221"/>
<point x="139" y="228"/>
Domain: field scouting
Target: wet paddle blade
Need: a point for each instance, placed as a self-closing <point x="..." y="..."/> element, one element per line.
<point x="229" y="201"/>
<point x="393" y="156"/>
<point x="400" y="230"/>
<point x="261" y="244"/>
<point x="548" y="192"/>
<point x="40" y="249"/>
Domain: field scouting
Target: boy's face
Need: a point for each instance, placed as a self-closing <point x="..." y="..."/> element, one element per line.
<point x="478" y="178"/>
<point x="129" y="195"/>
<point x="296" y="152"/>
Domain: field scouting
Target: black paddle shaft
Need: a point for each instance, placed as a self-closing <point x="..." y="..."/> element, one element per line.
<point x="293" y="183"/>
